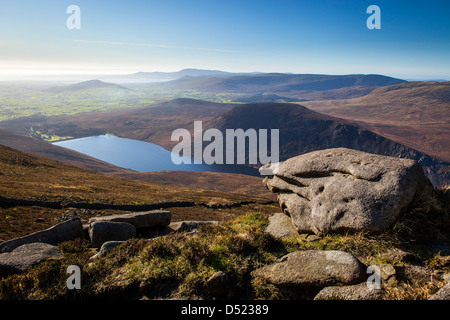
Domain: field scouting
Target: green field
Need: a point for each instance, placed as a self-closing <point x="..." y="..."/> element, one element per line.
<point x="25" y="100"/>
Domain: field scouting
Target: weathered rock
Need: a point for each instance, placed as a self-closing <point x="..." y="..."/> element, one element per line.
<point x="103" y="231"/>
<point x="186" y="226"/>
<point x="342" y="189"/>
<point x="25" y="256"/>
<point x="442" y="294"/>
<point x="179" y="226"/>
<point x="312" y="238"/>
<point x="313" y="268"/>
<point x="65" y="231"/>
<point x="387" y="271"/>
<point x="105" y="248"/>
<point x="148" y="219"/>
<point x="355" y="292"/>
<point x="218" y="284"/>
<point x="280" y="226"/>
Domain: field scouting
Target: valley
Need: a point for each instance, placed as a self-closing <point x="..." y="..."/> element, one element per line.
<point x="367" y="112"/>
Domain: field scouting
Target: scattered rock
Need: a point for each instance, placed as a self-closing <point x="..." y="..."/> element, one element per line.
<point x="342" y="189"/>
<point x="355" y="292"/>
<point x="25" y="256"/>
<point x="313" y="268"/>
<point x="312" y="238"/>
<point x="187" y="226"/>
<point x="105" y="248"/>
<point x="68" y="216"/>
<point x="387" y="272"/>
<point x="61" y="232"/>
<point x="280" y="226"/>
<point x="398" y="255"/>
<point x="218" y="285"/>
<point x="103" y="231"/>
<point x="148" y="219"/>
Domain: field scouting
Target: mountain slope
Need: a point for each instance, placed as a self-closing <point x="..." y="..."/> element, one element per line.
<point x="85" y="85"/>
<point x="415" y="114"/>
<point x="302" y="130"/>
<point x="41" y="148"/>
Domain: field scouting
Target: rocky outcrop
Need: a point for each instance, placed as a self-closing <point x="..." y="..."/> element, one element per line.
<point x="313" y="268"/>
<point x="26" y="256"/>
<point x="61" y="232"/>
<point x="342" y="189"/>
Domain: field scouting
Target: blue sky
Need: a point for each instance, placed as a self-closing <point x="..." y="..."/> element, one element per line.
<point x="328" y="37"/>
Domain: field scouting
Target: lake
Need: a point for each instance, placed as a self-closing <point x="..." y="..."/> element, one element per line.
<point x="141" y="156"/>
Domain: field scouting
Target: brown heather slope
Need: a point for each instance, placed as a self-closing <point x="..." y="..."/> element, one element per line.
<point x="41" y="148"/>
<point x="416" y="114"/>
<point x="26" y="176"/>
<point x="226" y="182"/>
<point x="28" y="183"/>
<point x="219" y="181"/>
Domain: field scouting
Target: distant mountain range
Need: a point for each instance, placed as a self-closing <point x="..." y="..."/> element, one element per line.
<point x="143" y="77"/>
<point x="280" y="82"/>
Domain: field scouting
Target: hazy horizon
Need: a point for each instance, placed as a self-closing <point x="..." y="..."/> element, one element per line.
<point x="302" y="37"/>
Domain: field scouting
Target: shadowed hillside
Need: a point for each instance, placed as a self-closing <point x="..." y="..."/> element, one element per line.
<point x="415" y="114"/>
<point x="303" y="130"/>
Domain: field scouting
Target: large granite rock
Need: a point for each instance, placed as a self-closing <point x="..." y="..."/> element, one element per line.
<point x="342" y="189"/>
<point x="148" y="219"/>
<point x="25" y="256"/>
<point x="313" y="268"/>
<point x="104" y="231"/>
<point x="65" y="231"/>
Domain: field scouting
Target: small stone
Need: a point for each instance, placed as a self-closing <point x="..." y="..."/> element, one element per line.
<point x="355" y="292"/>
<point x="105" y="248"/>
<point x="217" y="284"/>
<point x="313" y="237"/>
<point x="280" y="226"/>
